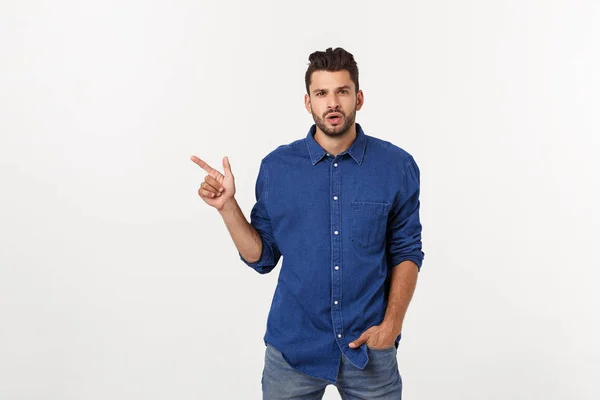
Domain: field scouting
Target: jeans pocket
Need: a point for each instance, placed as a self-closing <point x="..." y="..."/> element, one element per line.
<point x="384" y="350"/>
<point x="369" y="223"/>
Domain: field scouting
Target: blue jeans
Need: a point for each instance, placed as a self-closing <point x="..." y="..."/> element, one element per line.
<point x="380" y="379"/>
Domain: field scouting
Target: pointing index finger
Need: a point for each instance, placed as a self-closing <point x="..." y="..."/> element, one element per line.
<point x="202" y="164"/>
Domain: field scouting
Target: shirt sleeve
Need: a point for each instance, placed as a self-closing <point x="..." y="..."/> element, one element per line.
<point x="404" y="226"/>
<point x="260" y="220"/>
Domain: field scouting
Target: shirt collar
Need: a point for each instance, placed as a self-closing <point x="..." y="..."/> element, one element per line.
<point x="356" y="150"/>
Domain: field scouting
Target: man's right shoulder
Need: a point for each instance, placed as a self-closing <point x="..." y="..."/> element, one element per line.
<point x="296" y="147"/>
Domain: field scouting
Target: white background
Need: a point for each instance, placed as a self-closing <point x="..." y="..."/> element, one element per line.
<point x="118" y="282"/>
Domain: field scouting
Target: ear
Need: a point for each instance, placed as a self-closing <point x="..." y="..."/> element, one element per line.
<point x="360" y="99"/>
<point x="307" y="103"/>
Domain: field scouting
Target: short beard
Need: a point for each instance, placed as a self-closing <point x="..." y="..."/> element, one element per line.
<point x="349" y="121"/>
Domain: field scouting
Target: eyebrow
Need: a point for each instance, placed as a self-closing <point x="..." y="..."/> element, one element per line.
<point x="338" y="88"/>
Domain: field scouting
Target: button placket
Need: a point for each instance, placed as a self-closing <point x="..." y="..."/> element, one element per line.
<point x="336" y="281"/>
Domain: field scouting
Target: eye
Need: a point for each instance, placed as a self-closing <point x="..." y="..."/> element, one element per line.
<point x="343" y="91"/>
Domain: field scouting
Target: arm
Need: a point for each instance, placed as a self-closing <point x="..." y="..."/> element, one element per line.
<point x="245" y="237"/>
<point x="404" y="250"/>
<point x="268" y="255"/>
<point x="404" y="255"/>
<point x="402" y="286"/>
<point x="254" y="241"/>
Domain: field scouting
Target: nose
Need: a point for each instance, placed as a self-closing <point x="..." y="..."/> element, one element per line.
<point x="333" y="102"/>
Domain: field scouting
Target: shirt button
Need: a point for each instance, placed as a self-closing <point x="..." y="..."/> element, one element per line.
<point x="339" y="335"/>
<point x="328" y="154"/>
<point x="335" y="165"/>
<point x="335" y="232"/>
<point x="336" y="267"/>
<point x="335" y="302"/>
<point x="335" y="197"/>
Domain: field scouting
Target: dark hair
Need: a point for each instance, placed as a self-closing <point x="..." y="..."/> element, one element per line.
<point x="332" y="60"/>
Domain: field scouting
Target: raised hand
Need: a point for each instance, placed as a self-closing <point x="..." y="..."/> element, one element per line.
<point x="218" y="189"/>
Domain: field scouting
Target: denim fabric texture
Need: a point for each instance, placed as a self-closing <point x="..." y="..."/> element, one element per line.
<point x="379" y="380"/>
<point x="340" y="224"/>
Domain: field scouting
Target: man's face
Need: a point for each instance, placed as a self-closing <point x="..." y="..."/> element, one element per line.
<point x="333" y="101"/>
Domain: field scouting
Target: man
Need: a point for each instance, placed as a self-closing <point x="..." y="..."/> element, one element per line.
<point x="342" y="208"/>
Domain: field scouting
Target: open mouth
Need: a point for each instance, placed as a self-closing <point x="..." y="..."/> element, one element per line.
<point x="334" y="118"/>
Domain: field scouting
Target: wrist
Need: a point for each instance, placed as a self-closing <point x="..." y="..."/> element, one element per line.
<point x="392" y="326"/>
<point x="228" y="206"/>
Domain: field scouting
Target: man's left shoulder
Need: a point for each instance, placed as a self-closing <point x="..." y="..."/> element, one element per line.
<point x="389" y="150"/>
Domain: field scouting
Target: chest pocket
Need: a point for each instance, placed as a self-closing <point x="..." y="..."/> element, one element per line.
<point x="369" y="223"/>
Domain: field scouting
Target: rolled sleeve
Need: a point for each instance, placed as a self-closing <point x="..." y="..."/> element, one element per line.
<point x="404" y="226"/>
<point x="260" y="220"/>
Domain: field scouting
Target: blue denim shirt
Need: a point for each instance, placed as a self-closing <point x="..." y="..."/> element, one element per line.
<point x="341" y="224"/>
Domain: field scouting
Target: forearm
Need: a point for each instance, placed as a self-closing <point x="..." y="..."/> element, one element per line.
<point x="244" y="235"/>
<point x="403" y="282"/>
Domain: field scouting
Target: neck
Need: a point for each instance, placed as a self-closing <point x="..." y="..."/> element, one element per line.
<point x="337" y="144"/>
